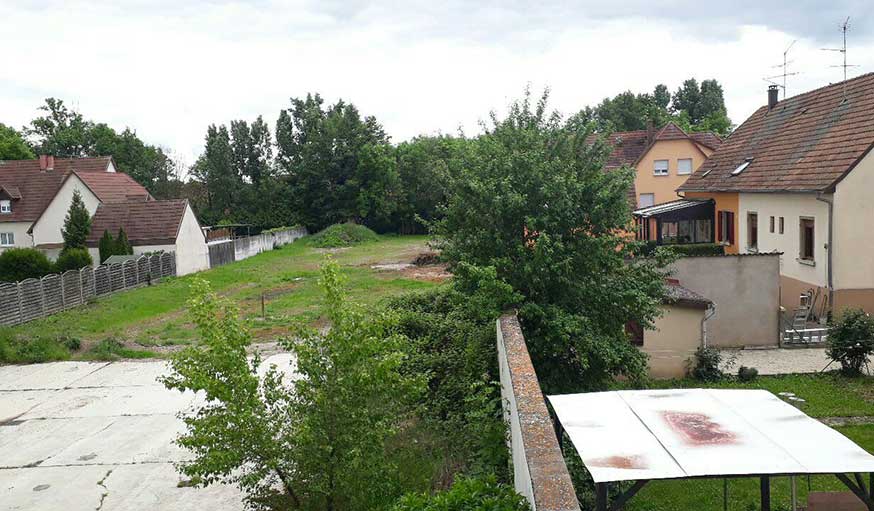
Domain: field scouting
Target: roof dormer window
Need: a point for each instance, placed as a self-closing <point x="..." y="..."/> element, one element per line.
<point x="742" y="167"/>
<point x="5" y="206"/>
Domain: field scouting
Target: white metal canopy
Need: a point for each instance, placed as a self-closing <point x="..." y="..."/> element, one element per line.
<point x="670" y="434"/>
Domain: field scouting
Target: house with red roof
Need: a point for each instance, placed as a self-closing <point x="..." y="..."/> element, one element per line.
<point x="154" y="226"/>
<point x="35" y="196"/>
<point x="797" y="178"/>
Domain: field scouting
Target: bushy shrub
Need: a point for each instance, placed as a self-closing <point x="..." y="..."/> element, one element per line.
<point x="747" y="374"/>
<point x="73" y="259"/>
<point x="851" y="341"/>
<point x="342" y="235"/>
<point x="704" y="364"/>
<point x="697" y="249"/>
<point x="467" y="494"/>
<point x="16" y="350"/>
<point x="452" y="341"/>
<point x="23" y="263"/>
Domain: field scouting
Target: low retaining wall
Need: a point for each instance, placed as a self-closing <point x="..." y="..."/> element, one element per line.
<point x="539" y="470"/>
<point x="228" y="251"/>
<point x="30" y="299"/>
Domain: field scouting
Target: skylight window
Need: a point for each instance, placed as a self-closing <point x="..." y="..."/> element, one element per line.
<point x="742" y="167"/>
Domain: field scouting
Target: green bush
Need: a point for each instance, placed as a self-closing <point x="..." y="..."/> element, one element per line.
<point x="73" y="259"/>
<point x="342" y="235"/>
<point x="747" y="374"/>
<point x="467" y="494"/>
<point x="14" y="350"/>
<point x="23" y="263"/>
<point x="704" y="365"/>
<point x="851" y="341"/>
<point x="697" y="249"/>
<point x="112" y="349"/>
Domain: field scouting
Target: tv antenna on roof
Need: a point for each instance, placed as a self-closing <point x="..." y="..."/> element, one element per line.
<point x="785" y="67"/>
<point x="843" y="51"/>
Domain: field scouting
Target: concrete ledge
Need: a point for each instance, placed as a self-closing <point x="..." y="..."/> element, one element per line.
<point x="539" y="470"/>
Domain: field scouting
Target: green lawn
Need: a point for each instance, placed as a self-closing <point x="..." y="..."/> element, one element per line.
<point x="287" y="277"/>
<point x="826" y="395"/>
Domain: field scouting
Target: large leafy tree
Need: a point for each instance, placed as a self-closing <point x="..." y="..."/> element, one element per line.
<point x="63" y="132"/>
<point x="77" y="224"/>
<point x="533" y="202"/>
<point x="216" y="169"/>
<point x="318" y="151"/>
<point x="13" y="145"/>
<point x="318" y="441"/>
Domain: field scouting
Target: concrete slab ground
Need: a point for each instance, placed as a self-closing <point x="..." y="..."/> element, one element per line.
<point x="95" y="435"/>
<point x="779" y="360"/>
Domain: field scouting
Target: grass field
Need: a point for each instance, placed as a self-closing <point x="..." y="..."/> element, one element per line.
<point x="825" y="395"/>
<point x="155" y="316"/>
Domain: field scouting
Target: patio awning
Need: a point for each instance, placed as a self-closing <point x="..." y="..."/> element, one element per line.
<point x="673" y="434"/>
<point x="667" y="207"/>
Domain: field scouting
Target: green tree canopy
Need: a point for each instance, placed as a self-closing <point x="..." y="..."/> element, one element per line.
<point x="534" y="202"/>
<point x="77" y="224"/>
<point x="319" y="441"/>
<point x="12" y="145"/>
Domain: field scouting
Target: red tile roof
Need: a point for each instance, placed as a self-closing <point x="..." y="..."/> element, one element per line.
<point x="36" y="188"/>
<point x="145" y="223"/>
<point x="630" y="146"/>
<point x="806" y="143"/>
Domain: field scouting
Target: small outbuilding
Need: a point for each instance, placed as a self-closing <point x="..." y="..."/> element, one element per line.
<point x="154" y="226"/>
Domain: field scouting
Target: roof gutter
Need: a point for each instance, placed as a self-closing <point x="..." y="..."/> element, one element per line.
<point x="711" y="311"/>
<point x="829" y="272"/>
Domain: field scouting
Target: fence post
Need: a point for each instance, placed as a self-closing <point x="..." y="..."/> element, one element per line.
<point x="18" y="292"/>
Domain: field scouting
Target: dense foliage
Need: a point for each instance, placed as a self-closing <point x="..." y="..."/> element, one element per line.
<point x="323" y="440"/>
<point x="110" y="246"/>
<point x="342" y="235"/>
<point x="73" y="259"/>
<point x="23" y="263"/>
<point x="467" y="494"/>
<point x="12" y="145"/>
<point x="851" y="341"/>
<point x="452" y="341"/>
<point x="705" y="364"/>
<point x="66" y="133"/>
<point x="534" y="203"/>
<point x="693" y="107"/>
<point x="77" y="224"/>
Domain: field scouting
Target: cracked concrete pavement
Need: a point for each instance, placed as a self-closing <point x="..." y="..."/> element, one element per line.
<point x="97" y="435"/>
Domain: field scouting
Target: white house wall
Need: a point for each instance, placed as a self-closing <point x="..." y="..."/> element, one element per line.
<point x="47" y="230"/>
<point x="791" y="206"/>
<point x="853" y="256"/>
<point x="192" y="254"/>
<point x="19" y="232"/>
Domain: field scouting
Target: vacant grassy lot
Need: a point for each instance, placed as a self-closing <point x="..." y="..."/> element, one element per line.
<point x="827" y="396"/>
<point x="155" y="316"/>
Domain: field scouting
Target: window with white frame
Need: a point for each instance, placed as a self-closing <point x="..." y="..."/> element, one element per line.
<point x="5" y="206"/>
<point x="684" y="166"/>
<point x="660" y="168"/>
<point x="646" y="200"/>
<point x="7" y="239"/>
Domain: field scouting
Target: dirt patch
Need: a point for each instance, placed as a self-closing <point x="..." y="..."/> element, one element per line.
<point x="391" y="266"/>
<point x="335" y="250"/>
<point x="433" y="273"/>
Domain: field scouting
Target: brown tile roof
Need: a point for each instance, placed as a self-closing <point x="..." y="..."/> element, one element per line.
<point x="145" y="223"/>
<point x="675" y="294"/>
<point x="36" y="188"/>
<point x="805" y="143"/>
<point x="630" y="146"/>
<point x="112" y="186"/>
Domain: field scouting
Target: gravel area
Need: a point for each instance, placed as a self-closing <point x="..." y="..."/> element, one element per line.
<point x="777" y="360"/>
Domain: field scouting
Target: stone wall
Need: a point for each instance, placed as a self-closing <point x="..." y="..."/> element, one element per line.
<point x="539" y="470"/>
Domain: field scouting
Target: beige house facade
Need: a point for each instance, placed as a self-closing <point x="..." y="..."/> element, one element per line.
<point x="802" y="172"/>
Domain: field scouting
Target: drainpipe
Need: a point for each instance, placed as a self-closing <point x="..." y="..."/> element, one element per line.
<point x="831" y="287"/>
<point x="711" y="310"/>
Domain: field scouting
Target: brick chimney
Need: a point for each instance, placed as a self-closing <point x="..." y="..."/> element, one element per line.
<point x="46" y="162"/>
<point x="650" y="131"/>
<point x="773" y="95"/>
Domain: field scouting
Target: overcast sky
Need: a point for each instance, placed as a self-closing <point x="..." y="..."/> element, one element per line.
<point x="169" y="68"/>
